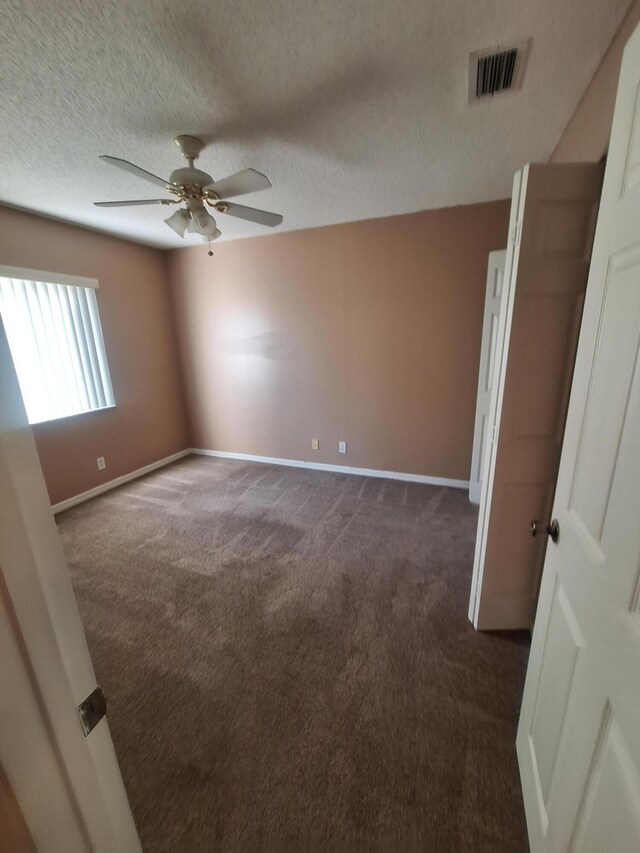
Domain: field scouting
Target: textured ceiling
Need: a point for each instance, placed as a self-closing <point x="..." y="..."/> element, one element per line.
<point x="353" y="108"/>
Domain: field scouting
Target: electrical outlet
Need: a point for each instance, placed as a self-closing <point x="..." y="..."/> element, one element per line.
<point x="315" y="444"/>
<point x="101" y="463"/>
<point x="342" y="447"/>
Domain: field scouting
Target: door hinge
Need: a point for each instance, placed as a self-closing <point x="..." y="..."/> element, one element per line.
<point x="92" y="710"/>
<point x="516" y="232"/>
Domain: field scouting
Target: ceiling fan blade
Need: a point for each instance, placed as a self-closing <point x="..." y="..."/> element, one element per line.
<point x="247" y="181"/>
<point x="252" y="214"/>
<point x="130" y="203"/>
<point x="135" y="170"/>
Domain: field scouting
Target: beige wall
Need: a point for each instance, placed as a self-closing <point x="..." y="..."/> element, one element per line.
<point x="586" y="137"/>
<point x="367" y="332"/>
<point x="148" y="420"/>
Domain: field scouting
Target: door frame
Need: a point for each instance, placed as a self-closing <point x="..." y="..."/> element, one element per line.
<point x="45" y="620"/>
<point x="497" y="392"/>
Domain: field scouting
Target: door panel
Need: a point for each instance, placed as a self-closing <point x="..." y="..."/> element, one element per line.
<point x="491" y="345"/>
<point x="580" y="758"/>
<point x="563" y="643"/>
<point x="548" y="264"/>
<point x="617" y="356"/>
<point x="537" y="415"/>
<point x="610" y="806"/>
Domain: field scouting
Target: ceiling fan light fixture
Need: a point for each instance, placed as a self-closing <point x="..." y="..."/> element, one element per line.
<point x="204" y="223"/>
<point x="193" y="189"/>
<point x="179" y="220"/>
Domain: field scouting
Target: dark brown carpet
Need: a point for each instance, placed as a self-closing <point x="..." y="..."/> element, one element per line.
<point x="288" y="662"/>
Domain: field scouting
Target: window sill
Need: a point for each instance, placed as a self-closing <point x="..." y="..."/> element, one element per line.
<point x="74" y="415"/>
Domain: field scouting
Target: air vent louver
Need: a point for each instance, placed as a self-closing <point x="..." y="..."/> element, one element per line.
<point x="496" y="72"/>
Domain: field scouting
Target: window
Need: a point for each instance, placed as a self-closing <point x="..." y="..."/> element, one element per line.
<point x="55" y="337"/>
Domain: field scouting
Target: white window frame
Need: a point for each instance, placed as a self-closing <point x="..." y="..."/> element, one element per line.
<point x="45" y="277"/>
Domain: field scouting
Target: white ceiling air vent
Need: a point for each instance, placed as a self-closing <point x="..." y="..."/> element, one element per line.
<point x="497" y="71"/>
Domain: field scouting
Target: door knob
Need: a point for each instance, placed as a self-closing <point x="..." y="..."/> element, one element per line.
<point x="553" y="529"/>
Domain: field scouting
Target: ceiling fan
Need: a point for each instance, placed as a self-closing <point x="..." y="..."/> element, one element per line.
<point x="195" y="189"/>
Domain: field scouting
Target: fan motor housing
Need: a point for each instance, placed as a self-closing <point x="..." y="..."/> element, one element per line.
<point x="189" y="175"/>
<point x="191" y="146"/>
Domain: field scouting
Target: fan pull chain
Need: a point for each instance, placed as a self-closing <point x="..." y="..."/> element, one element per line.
<point x="210" y="253"/>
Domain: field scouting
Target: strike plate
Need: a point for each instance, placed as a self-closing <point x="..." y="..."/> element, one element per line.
<point x="92" y="710"/>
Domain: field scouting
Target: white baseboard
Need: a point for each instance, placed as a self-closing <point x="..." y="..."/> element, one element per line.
<point x="341" y="469"/>
<point x="118" y="481"/>
<point x="269" y="460"/>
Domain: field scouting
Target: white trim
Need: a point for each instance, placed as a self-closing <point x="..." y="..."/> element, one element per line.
<point x="118" y="481"/>
<point x="50" y="277"/>
<point x="248" y="457"/>
<point x="82" y="804"/>
<point x="518" y="196"/>
<point x="341" y="469"/>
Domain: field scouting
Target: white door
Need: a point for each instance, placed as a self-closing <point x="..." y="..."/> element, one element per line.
<point x="488" y="354"/>
<point x="553" y="213"/>
<point x="67" y="786"/>
<point x="579" y="735"/>
<point x="495" y="397"/>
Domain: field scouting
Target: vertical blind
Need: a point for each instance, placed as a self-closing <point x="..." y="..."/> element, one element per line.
<point x="55" y="338"/>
